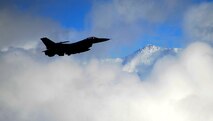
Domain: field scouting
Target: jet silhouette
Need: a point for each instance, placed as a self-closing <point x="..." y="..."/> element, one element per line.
<point x="62" y="48"/>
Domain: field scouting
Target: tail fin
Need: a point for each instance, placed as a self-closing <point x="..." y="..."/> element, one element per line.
<point x="48" y="43"/>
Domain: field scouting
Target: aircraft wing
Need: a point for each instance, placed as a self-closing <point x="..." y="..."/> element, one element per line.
<point x="78" y="47"/>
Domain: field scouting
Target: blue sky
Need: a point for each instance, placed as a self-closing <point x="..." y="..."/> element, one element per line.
<point x="68" y="13"/>
<point x="165" y="30"/>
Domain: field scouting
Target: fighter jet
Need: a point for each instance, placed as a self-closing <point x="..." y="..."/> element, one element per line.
<point x="62" y="48"/>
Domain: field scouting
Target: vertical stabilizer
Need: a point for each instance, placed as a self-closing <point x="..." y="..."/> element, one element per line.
<point x="48" y="43"/>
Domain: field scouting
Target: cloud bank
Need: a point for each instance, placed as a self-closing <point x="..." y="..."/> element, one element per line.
<point x="67" y="89"/>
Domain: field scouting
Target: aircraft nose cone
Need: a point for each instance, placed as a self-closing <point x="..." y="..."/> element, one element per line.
<point x="105" y="39"/>
<point x="100" y="40"/>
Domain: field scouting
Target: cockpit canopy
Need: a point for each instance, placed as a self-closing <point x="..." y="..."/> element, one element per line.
<point x="92" y="37"/>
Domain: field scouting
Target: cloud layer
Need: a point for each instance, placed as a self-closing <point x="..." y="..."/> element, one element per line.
<point x="67" y="89"/>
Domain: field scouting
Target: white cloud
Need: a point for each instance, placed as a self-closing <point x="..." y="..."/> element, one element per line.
<point x="68" y="89"/>
<point x="108" y="14"/>
<point x="18" y="29"/>
<point x="128" y="21"/>
<point x="199" y="23"/>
